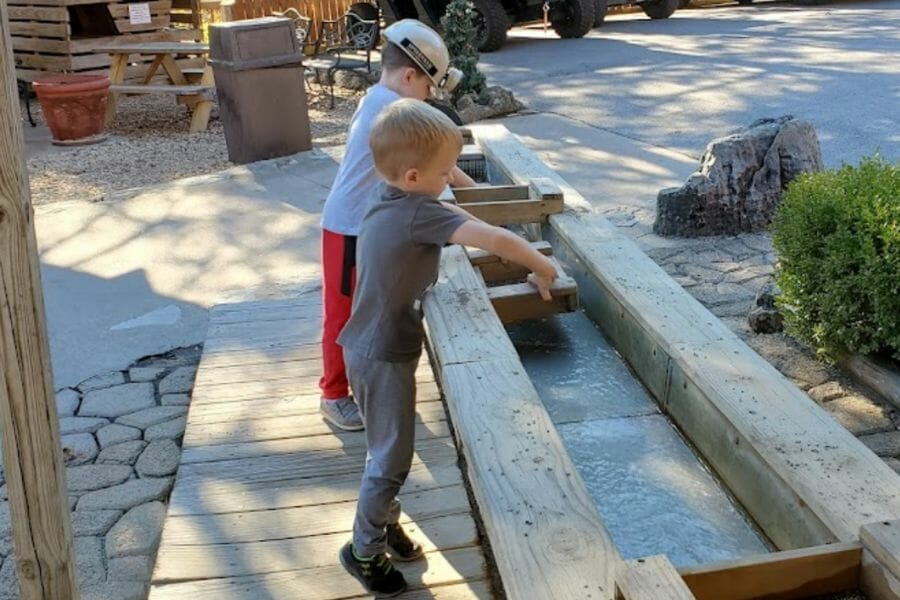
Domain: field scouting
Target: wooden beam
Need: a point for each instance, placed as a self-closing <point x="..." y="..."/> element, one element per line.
<point x="515" y="212"/>
<point x="537" y="513"/>
<point x="32" y="455"/>
<point x="494" y="270"/>
<point x="805" y="573"/>
<point x="652" y="578"/>
<point x="881" y="559"/>
<point x="490" y="193"/>
<point x="520" y="301"/>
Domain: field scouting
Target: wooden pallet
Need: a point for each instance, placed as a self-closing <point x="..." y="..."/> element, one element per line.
<point x="61" y="36"/>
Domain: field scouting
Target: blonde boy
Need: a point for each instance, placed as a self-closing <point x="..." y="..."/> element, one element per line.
<point x="413" y="61"/>
<point x="415" y="148"/>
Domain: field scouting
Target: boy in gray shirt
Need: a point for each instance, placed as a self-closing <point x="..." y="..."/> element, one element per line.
<point x="415" y="148"/>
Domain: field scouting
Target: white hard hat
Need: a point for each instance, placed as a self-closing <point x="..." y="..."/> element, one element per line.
<point x="425" y="47"/>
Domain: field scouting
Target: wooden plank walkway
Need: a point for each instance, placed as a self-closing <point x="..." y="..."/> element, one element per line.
<point x="266" y="491"/>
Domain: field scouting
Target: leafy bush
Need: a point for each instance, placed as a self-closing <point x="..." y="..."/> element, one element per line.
<point x="459" y="35"/>
<point x="837" y="234"/>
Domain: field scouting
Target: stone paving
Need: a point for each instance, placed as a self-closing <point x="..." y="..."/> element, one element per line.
<point x="725" y="274"/>
<point x="120" y="433"/>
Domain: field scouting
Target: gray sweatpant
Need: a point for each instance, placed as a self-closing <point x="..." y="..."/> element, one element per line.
<point x="386" y="394"/>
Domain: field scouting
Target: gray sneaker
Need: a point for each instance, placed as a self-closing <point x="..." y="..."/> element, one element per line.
<point x="342" y="413"/>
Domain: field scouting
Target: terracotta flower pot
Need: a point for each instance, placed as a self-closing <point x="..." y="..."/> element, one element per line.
<point x="74" y="106"/>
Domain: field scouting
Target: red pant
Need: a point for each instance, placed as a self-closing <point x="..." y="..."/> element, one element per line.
<point x="338" y="284"/>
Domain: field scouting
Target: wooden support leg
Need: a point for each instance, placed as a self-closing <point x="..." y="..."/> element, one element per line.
<point x="154" y="67"/>
<point x="116" y="76"/>
<point x="172" y="70"/>
<point x="203" y="108"/>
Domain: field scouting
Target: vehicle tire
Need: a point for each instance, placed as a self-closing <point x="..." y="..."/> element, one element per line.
<point x="492" y="23"/>
<point x="577" y="20"/>
<point x="600" y="9"/>
<point x="662" y="9"/>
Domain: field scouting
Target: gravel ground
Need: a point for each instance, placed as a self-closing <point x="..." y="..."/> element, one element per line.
<point x="149" y="143"/>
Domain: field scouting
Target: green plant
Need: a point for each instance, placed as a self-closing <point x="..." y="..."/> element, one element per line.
<point x="460" y="34"/>
<point x="837" y="234"/>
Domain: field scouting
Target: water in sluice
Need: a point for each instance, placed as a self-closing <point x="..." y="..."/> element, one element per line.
<point x="654" y="494"/>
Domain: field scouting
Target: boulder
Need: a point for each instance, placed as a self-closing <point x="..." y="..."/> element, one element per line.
<point x="494" y="101"/>
<point x="741" y="180"/>
<point x="764" y="316"/>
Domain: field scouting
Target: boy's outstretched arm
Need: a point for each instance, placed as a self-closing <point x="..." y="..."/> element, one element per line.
<point x="508" y="245"/>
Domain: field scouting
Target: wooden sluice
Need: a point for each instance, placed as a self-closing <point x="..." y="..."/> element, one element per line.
<point x="265" y="493"/>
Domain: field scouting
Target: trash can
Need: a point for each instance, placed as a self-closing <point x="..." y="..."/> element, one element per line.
<point x="258" y="67"/>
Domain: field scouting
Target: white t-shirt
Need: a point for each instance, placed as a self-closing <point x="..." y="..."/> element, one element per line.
<point x="357" y="182"/>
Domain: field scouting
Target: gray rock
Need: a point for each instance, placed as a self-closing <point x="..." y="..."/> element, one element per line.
<point x="126" y="495"/>
<point x="765" y="320"/>
<point x="179" y="381"/>
<point x="123" y="454"/>
<point x="115" y="590"/>
<point x="740" y="181"/>
<point x="494" y="101"/>
<point x="859" y="415"/>
<point x="827" y="391"/>
<point x="176" y="400"/>
<point x="89" y="560"/>
<point x="353" y="79"/>
<point x="5" y="546"/>
<point x="69" y="425"/>
<point x="67" y="401"/>
<point x="169" y="430"/>
<point x="131" y="568"/>
<point x="116" y="401"/>
<point x="5" y="520"/>
<point x="883" y="444"/>
<point x="117" y="434"/>
<point x="93" y="522"/>
<point x="104" y="380"/>
<point x="894" y="464"/>
<point x="140" y="374"/>
<point x="137" y="532"/>
<point x="9" y="583"/>
<point x="79" y="448"/>
<point x="87" y="478"/>
<point x="152" y="416"/>
<point x="160" y="458"/>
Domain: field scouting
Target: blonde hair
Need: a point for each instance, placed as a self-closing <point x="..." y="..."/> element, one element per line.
<point x="408" y="134"/>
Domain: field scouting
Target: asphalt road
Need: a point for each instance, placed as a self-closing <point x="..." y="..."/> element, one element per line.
<point x="680" y="82"/>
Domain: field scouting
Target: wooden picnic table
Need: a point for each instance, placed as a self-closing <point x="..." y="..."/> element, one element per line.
<point x="197" y="95"/>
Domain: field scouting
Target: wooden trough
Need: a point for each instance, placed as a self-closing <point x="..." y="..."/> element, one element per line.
<point x="830" y="506"/>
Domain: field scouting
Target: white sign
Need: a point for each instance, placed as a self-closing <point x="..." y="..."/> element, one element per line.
<point x="139" y="14"/>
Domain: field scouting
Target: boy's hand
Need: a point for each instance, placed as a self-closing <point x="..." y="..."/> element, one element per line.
<point x="543" y="282"/>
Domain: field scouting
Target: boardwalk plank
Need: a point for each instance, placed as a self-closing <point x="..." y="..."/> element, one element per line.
<point x="261" y="525"/>
<point x="332" y="582"/>
<point x="281" y="427"/>
<point x="207" y="561"/>
<point x="214" y="496"/>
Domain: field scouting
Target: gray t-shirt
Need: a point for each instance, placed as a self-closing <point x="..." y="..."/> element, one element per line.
<point x="397" y="252"/>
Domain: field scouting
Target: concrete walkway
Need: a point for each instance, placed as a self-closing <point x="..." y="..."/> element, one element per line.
<point x="135" y="276"/>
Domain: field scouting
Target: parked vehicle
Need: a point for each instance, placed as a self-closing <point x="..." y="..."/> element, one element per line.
<point x="569" y="18"/>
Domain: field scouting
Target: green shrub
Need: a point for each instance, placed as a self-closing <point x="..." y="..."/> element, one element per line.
<point x="460" y="34"/>
<point x="837" y="234"/>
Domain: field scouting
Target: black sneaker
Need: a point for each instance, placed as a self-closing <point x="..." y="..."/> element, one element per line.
<point x="402" y="547"/>
<point x="377" y="574"/>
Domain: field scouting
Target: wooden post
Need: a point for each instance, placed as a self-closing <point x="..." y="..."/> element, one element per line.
<point x="42" y="535"/>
